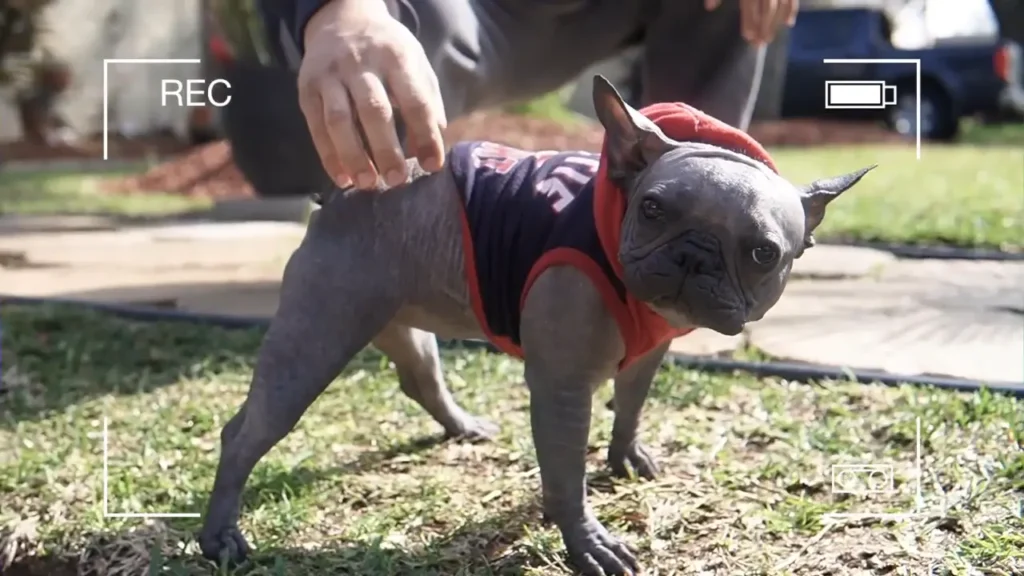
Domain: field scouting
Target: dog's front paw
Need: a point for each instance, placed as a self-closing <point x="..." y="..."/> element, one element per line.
<point x="595" y="552"/>
<point x="473" y="429"/>
<point x="226" y="544"/>
<point x="623" y="455"/>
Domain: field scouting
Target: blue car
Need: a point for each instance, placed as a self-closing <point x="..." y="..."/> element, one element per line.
<point x="959" y="78"/>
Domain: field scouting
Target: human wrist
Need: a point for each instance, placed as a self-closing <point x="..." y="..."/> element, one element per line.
<point x="315" y="14"/>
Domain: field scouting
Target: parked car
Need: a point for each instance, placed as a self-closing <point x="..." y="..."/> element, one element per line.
<point x="959" y="78"/>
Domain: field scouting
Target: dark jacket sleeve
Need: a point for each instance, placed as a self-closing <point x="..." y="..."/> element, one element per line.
<point x="290" y="17"/>
<point x="304" y="10"/>
<point x="296" y="14"/>
<point x="293" y="14"/>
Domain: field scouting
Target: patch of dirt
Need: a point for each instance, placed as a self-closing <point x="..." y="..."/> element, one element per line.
<point x="42" y="567"/>
<point x="208" y="171"/>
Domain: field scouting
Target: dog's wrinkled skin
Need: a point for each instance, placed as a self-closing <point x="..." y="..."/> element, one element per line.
<point x="710" y="235"/>
<point x="708" y="240"/>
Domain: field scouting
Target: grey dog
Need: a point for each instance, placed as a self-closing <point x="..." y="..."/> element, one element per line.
<point x="707" y="238"/>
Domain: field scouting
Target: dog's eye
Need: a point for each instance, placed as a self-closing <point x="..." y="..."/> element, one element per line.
<point x="651" y="209"/>
<point x="765" y="255"/>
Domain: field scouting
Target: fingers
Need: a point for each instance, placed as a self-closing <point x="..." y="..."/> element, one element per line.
<point x="761" y="19"/>
<point x="378" y="122"/>
<point x="312" y="105"/>
<point x="793" y="7"/>
<point x="341" y="128"/>
<point x="360" y="68"/>
<point x="751" y="15"/>
<point x="335" y="111"/>
<point x="770" y="20"/>
<point x="418" y="100"/>
<point x="783" y="14"/>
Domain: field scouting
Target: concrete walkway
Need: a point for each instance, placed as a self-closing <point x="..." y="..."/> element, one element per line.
<point x="849" y="307"/>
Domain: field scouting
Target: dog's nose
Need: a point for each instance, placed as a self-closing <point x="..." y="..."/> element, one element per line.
<point x="726" y="320"/>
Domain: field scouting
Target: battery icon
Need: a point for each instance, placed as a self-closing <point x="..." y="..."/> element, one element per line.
<point x="858" y="94"/>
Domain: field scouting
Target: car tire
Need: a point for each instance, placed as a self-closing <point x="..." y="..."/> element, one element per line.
<point x="939" y="121"/>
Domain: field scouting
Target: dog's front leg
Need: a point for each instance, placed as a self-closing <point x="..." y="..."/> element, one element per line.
<point x="571" y="345"/>
<point x="560" y="417"/>
<point x="631" y="388"/>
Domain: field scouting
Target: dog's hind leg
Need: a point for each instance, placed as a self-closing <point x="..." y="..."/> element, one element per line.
<point x="324" y="318"/>
<point x="414" y="353"/>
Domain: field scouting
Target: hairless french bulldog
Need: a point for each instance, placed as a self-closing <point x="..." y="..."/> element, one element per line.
<point x="585" y="266"/>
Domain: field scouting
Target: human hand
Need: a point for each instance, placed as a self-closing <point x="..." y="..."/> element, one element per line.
<point x="760" y="19"/>
<point x="360" y="67"/>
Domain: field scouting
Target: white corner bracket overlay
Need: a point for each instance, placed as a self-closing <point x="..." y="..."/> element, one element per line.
<point x="917" y="513"/>
<point x="917" y="81"/>
<point x="106" y="491"/>
<point x="106" y="67"/>
<point x="106" y="129"/>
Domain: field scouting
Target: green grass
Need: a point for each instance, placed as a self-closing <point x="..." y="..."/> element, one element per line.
<point x="39" y="193"/>
<point x="1005" y="134"/>
<point x="551" y="106"/>
<point x="970" y="196"/>
<point x="355" y="489"/>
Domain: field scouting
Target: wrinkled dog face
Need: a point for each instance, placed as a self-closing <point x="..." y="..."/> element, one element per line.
<point x="710" y="235"/>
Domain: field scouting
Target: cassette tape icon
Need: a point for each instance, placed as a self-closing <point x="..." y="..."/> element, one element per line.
<point x="860" y="479"/>
<point x="858" y="95"/>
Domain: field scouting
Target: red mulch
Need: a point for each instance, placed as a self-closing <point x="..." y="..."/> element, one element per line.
<point x="207" y="171"/>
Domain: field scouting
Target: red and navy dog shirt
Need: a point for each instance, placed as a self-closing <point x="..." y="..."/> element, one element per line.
<point x="524" y="212"/>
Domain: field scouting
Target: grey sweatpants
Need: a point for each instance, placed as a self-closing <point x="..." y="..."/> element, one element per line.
<point x="490" y="52"/>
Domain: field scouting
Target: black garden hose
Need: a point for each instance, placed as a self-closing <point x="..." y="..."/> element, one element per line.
<point x="787" y="370"/>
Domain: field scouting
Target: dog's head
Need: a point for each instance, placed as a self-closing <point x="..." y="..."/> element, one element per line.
<point x="709" y="234"/>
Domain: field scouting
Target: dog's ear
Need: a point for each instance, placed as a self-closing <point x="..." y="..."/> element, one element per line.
<point x="817" y="195"/>
<point x="633" y="142"/>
